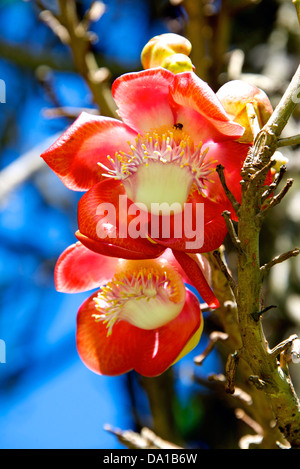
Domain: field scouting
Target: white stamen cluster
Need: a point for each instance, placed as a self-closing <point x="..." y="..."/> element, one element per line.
<point x="172" y="147"/>
<point x="144" y="284"/>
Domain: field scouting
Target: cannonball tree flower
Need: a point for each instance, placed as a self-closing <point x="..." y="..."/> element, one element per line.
<point x="172" y="133"/>
<point x="142" y="317"/>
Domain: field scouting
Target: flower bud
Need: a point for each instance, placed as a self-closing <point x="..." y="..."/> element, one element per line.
<point x="235" y="95"/>
<point x="177" y="63"/>
<point x="162" y="47"/>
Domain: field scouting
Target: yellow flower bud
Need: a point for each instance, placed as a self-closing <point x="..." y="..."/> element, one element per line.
<point x="235" y="95"/>
<point x="178" y="63"/>
<point x="161" y="47"/>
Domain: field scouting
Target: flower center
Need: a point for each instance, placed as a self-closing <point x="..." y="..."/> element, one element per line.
<point x="161" y="168"/>
<point x="147" y="294"/>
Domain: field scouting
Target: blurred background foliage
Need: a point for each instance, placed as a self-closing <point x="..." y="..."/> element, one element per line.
<point x="48" y="399"/>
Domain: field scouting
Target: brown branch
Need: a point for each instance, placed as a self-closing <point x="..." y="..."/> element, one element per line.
<point x="241" y="414"/>
<point x="231" y="231"/>
<point x="273" y="186"/>
<point x="146" y="439"/>
<point x="220" y="380"/>
<point x="234" y="202"/>
<point x="277" y="260"/>
<point x="230" y="371"/>
<point x="283" y="346"/>
<point x="214" y="337"/>
<point x="288" y="141"/>
<point x="225" y="271"/>
<point x="276" y="199"/>
<point x="71" y="31"/>
<point x="266" y="374"/>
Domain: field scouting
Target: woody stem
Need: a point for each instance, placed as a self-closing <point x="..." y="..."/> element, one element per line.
<point x="255" y="350"/>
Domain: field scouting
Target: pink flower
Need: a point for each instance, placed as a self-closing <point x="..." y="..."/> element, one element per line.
<point x="142" y="317"/>
<point x="173" y="133"/>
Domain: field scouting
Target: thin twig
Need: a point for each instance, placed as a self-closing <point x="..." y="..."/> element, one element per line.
<point x="93" y="14"/>
<point x="225" y="271"/>
<point x="278" y="259"/>
<point x="241" y="415"/>
<point x="79" y="42"/>
<point x="234" y="202"/>
<point x="273" y="186"/>
<point x="258" y="382"/>
<point x="232" y="233"/>
<point x="277" y="199"/>
<point x="286" y="344"/>
<point x="260" y="174"/>
<point x="258" y="314"/>
<point x="147" y="439"/>
<point x="220" y="379"/>
<point x="287" y="141"/>
<point x="214" y="337"/>
<point x="230" y="371"/>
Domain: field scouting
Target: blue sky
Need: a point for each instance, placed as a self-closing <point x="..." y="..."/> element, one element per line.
<point x="48" y="398"/>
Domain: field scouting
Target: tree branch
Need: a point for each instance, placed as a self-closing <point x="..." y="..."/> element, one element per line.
<point x="234" y="202"/>
<point x="284" y="142"/>
<point x="232" y="233"/>
<point x="214" y="337"/>
<point x="74" y="33"/>
<point x="225" y="271"/>
<point x="277" y="260"/>
<point x="265" y="371"/>
<point x="230" y="371"/>
<point x="146" y="439"/>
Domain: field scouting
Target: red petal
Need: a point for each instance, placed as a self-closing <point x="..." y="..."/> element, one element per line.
<point x="88" y="141"/>
<point x="150" y="352"/>
<point x="111" y="355"/>
<point x="143" y="99"/>
<point x="113" y="250"/>
<point x="211" y="233"/>
<point x="91" y="223"/>
<point x="231" y="155"/>
<point x="204" y="265"/>
<point x="199" y="110"/>
<point x="79" y="269"/>
<point x="158" y="349"/>
<point x="197" y="278"/>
